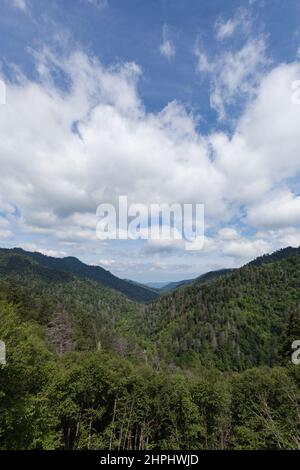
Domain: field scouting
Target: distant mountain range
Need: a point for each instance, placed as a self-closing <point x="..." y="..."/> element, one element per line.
<point x="211" y="275"/>
<point x="61" y="266"/>
<point x="156" y="285"/>
<point x="58" y="268"/>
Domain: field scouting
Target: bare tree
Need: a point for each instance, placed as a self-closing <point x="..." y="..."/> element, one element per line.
<point x="59" y="332"/>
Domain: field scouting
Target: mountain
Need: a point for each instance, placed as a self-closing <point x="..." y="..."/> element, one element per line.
<point x="145" y="285"/>
<point x="157" y="285"/>
<point x="206" y="366"/>
<point x="211" y="275"/>
<point x="82" y="312"/>
<point x="175" y="284"/>
<point x="71" y="265"/>
<point x="279" y="255"/>
<point x="232" y="322"/>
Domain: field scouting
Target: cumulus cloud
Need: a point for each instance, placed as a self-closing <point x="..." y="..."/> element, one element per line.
<point x="243" y="248"/>
<point x="230" y="242"/>
<point x="281" y="238"/>
<point x="64" y="151"/>
<point x="117" y="148"/>
<point x="279" y="210"/>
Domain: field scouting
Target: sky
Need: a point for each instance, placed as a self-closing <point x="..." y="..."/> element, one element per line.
<point x="164" y="101"/>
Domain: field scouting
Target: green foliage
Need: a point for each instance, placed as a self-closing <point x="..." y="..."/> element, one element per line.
<point x="60" y="269"/>
<point x="266" y="410"/>
<point x="26" y="419"/>
<point x="204" y="368"/>
<point x="233" y="323"/>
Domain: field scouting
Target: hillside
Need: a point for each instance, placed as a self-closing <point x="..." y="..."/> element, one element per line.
<point x="233" y="322"/>
<point x="228" y="319"/>
<point x="279" y="255"/>
<point x="73" y="266"/>
<point x="210" y="276"/>
<point x="78" y="314"/>
<point x="82" y="360"/>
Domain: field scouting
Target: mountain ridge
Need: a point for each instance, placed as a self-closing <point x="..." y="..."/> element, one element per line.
<point x="205" y="277"/>
<point x="235" y="321"/>
<point x="83" y="359"/>
<point x="73" y="265"/>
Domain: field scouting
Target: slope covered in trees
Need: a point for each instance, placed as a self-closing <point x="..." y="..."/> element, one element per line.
<point x="86" y="368"/>
<point x="211" y="275"/>
<point x="73" y="266"/>
<point x="234" y="322"/>
<point x="77" y="314"/>
<point x="100" y="400"/>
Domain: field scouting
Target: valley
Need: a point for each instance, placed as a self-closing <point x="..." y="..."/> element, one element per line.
<point x="206" y="365"/>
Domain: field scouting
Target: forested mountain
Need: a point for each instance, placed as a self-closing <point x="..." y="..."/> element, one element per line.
<point x="211" y="275"/>
<point x="279" y="255"/>
<point x="73" y="266"/>
<point x="233" y="322"/>
<point x="204" y="367"/>
<point x="79" y="314"/>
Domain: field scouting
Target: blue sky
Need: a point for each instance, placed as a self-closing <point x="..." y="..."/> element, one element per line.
<point x="131" y="30"/>
<point x="171" y="101"/>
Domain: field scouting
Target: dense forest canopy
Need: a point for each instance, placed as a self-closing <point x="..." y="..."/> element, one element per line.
<point x="207" y="366"/>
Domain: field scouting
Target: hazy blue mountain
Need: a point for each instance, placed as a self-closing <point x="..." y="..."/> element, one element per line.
<point x="157" y="285"/>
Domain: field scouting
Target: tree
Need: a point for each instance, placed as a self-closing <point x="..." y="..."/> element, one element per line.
<point x="59" y="332"/>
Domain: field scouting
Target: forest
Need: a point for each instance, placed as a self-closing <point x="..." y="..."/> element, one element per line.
<point x="205" y="367"/>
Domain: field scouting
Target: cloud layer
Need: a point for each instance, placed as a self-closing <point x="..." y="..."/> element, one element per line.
<point x="80" y="135"/>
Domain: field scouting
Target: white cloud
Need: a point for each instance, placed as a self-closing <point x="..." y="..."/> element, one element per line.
<point x="167" y="48"/>
<point x="73" y="172"/>
<point x="5" y="234"/>
<point x="96" y="141"/>
<point x="224" y="29"/>
<point x="282" y="238"/>
<point x="5" y="228"/>
<point x="231" y="243"/>
<point x="27" y="246"/>
<point x="235" y="76"/>
<point x="20" y="4"/>
<point x="107" y="263"/>
<point x="4" y="223"/>
<point x="53" y="253"/>
<point x="228" y="233"/>
<point x="245" y="248"/>
<point x="279" y="210"/>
